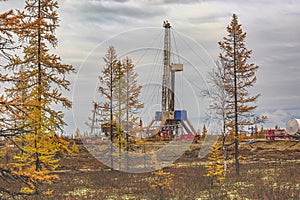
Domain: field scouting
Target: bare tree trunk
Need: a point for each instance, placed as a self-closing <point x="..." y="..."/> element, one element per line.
<point x="236" y="147"/>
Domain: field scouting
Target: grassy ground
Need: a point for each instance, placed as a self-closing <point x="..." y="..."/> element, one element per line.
<point x="269" y="170"/>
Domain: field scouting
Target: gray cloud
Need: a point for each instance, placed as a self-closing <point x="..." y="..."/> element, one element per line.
<point x="182" y="1"/>
<point x="271" y="26"/>
<point x="113" y="12"/>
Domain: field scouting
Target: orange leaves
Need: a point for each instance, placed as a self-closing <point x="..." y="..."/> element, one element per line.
<point x="234" y="58"/>
<point x="9" y="22"/>
<point x="37" y="82"/>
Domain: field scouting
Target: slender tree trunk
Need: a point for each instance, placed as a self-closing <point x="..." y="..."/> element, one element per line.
<point x="39" y="89"/>
<point x="119" y="110"/>
<point x="224" y="148"/>
<point x="111" y="117"/>
<point x="127" y="117"/>
<point x="236" y="141"/>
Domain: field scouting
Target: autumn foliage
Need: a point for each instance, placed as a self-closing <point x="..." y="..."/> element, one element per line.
<point x="37" y="80"/>
<point x="215" y="167"/>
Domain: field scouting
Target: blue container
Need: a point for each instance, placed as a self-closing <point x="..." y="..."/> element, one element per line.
<point x="180" y="115"/>
<point x="157" y="116"/>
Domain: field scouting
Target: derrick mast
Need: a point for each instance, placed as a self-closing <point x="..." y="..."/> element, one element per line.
<point x="170" y="120"/>
<point x="166" y="84"/>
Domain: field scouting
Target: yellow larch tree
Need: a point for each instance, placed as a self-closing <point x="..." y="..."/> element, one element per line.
<point x="10" y="23"/>
<point x="163" y="181"/>
<point x="237" y="77"/>
<point x="261" y="133"/>
<point x="39" y="79"/>
<point x="119" y="87"/>
<point x="204" y="131"/>
<point x="74" y="147"/>
<point x="163" y="178"/>
<point x="215" y="167"/>
<point x="119" y="102"/>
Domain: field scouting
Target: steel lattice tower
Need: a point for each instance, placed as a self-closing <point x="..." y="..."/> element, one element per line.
<point x="166" y="84"/>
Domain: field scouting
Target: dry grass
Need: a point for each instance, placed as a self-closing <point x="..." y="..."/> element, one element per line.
<point x="268" y="171"/>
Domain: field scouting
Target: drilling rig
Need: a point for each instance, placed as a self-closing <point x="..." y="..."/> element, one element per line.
<point x="170" y="120"/>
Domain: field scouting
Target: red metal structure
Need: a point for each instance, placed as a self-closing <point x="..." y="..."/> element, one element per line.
<point x="187" y="137"/>
<point x="273" y="134"/>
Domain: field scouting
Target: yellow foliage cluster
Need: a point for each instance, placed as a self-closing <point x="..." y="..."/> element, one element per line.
<point x="141" y="142"/>
<point x="163" y="179"/>
<point x="27" y="190"/>
<point x="37" y="160"/>
<point x="2" y="154"/>
<point x="75" y="148"/>
<point x="215" y="166"/>
<point x="29" y="101"/>
<point x="48" y="192"/>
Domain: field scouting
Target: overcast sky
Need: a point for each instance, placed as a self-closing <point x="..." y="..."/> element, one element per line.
<point x="88" y="27"/>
